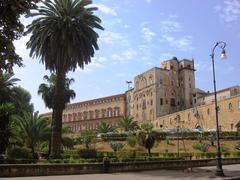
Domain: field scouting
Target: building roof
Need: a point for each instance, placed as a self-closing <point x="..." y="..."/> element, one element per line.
<point x="223" y="90"/>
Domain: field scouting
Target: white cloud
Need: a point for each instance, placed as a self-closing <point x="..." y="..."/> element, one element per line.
<point x="128" y="54"/>
<point x="147" y="34"/>
<point x="148" y="1"/>
<point x="168" y="26"/>
<point x="105" y="9"/>
<point x="97" y="62"/>
<point x="112" y="38"/>
<point x="230" y="11"/>
<point x="183" y="43"/>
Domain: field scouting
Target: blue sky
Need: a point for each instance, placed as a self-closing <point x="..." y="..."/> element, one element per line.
<point x="139" y="35"/>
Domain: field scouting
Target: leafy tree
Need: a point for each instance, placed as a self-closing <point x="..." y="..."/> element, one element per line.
<point x="11" y="29"/>
<point x="63" y="37"/>
<point x="88" y="136"/>
<point x="22" y="100"/>
<point x="7" y="82"/>
<point x="128" y="124"/>
<point x="147" y="137"/>
<point x="47" y="90"/>
<point x="33" y="129"/>
<point x="105" y="127"/>
<point x="5" y="131"/>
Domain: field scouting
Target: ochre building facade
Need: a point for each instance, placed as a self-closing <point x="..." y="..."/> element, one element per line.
<point x="158" y="96"/>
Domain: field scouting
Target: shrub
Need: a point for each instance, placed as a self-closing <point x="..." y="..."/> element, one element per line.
<point x="19" y="153"/>
<point x="224" y="149"/>
<point x="88" y="153"/>
<point x="131" y="141"/>
<point x="201" y="146"/>
<point x="127" y="153"/>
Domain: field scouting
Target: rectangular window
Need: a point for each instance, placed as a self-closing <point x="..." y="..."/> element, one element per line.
<point x="172" y="102"/>
<point x="161" y="101"/>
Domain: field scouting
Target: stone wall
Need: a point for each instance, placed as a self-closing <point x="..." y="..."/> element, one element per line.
<point x="204" y="116"/>
<point x="17" y="170"/>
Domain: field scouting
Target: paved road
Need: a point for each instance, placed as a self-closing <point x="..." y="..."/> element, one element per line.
<point x="231" y="171"/>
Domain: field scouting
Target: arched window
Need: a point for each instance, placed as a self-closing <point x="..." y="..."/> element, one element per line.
<point x="96" y="113"/>
<point x="109" y="112"/>
<point x="74" y="116"/>
<point x="85" y="115"/>
<point x="230" y="108"/>
<point x="188" y="116"/>
<point x="208" y="111"/>
<point x="150" y="79"/>
<point x="103" y="113"/>
<point x="90" y="114"/>
<point x="161" y="81"/>
<point x="144" y="104"/>
<point x="143" y="82"/>
<point x="69" y="117"/>
<point x="116" y="111"/>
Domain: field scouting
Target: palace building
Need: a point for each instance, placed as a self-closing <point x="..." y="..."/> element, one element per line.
<point x="159" y="94"/>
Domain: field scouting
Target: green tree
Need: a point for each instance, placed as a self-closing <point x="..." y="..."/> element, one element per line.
<point x="6" y="110"/>
<point x="47" y="93"/>
<point x="87" y="137"/>
<point x="22" y="100"/>
<point x="63" y="37"/>
<point x="128" y="124"/>
<point x="33" y="129"/>
<point x="147" y="137"/>
<point x="11" y="29"/>
<point x="105" y="127"/>
<point x="7" y="82"/>
<point x="47" y="90"/>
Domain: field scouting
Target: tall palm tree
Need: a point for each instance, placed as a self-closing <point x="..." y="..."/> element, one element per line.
<point x="33" y="129"/>
<point x="128" y="124"/>
<point x="63" y="37"/>
<point x="47" y="92"/>
<point x="105" y="127"/>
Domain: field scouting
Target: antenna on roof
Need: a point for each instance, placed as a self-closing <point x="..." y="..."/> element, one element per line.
<point x="128" y="83"/>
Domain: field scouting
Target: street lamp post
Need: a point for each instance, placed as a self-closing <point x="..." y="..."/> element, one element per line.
<point x="221" y="45"/>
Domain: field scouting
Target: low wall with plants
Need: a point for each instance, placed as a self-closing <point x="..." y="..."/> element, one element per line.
<point x="16" y="170"/>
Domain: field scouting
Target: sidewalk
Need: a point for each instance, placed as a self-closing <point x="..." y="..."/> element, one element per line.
<point x="231" y="172"/>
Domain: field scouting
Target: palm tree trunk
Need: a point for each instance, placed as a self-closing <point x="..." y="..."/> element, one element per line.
<point x="50" y="140"/>
<point x="149" y="152"/>
<point x="58" y="107"/>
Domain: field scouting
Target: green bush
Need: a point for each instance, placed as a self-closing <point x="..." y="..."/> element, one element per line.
<point x="210" y="154"/>
<point x="131" y="141"/>
<point x="88" y="153"/>
<point x="201" y="146"/>
<point x="224" y="149"/>
<point x="19" y="153"/>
